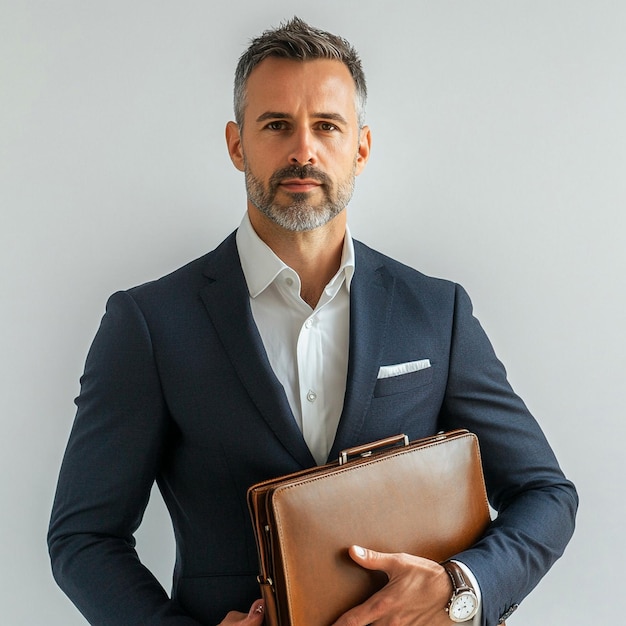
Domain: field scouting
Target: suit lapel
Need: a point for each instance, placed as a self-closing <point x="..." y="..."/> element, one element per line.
<point x="371" y="295"/>
<point x="227" y="302"/>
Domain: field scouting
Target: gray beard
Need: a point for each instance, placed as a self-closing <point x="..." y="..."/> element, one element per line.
<point x="299" y="215"/>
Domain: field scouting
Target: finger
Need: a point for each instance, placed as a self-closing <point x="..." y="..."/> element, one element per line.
<point x="371" y="609"/>
<point x="256" y="612"/>
<point x="358" y="616"/>
<point x="370" y="559"/>
<point x="254" y="617"/>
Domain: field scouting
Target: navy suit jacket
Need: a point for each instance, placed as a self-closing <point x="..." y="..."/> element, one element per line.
<point x="177" y="388"/>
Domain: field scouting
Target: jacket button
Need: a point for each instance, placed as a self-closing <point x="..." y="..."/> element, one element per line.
<point x="508" y="613"/>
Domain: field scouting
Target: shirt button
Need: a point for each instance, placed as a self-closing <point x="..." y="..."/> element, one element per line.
<point x="308" y="324"/>
<point x="311" y="396"/>
<point x="289" y="281"/>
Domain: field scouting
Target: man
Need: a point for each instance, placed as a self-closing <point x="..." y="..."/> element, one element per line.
<point x="286" y="344"/>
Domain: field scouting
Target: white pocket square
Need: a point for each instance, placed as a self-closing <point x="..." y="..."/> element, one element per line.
<point x="388" y="371"/>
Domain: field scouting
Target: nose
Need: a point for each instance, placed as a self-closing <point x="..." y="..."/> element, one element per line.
<point x="303" y="148"/>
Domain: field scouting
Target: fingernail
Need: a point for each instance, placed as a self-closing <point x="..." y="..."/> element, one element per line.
<point x="360" y="551"/>
<point x="257" y="608"/>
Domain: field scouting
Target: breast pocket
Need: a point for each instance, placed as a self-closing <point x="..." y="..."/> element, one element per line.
<point x="402" y="383"/>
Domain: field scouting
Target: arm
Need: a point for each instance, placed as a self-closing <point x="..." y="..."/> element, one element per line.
<point x="535" y="503"/>
<point x="110" y="464"/>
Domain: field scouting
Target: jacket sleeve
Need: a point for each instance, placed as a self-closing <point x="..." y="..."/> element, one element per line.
<point x="110" y="465"/>
<point x="536" y="504"/>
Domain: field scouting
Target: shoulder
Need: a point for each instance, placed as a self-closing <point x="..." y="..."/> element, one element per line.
<point x="190" y="278"/>
<point x="177" y="295"/>
<point x="406" y="279"/>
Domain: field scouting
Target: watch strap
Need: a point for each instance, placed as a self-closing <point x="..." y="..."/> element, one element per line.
<point x="459" y="581"/>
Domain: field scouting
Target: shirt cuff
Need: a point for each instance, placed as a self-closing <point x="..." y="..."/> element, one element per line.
<point x="477" y="620"/>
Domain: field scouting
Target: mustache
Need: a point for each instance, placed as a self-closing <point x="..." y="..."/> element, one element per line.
<point x="299" y="171"/>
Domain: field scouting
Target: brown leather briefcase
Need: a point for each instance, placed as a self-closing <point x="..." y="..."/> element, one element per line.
<point x="425" y="498"/>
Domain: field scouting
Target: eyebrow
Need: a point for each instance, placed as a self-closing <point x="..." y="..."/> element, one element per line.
<point x="277" y="115"/>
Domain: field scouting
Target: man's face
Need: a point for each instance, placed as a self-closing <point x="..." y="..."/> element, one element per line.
<point x="300" y="147"/>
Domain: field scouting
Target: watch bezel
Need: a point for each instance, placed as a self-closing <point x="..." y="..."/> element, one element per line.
<point x="457" y="596"/>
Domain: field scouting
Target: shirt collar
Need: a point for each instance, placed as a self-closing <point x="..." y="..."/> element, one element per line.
<point x="261" y="266"/>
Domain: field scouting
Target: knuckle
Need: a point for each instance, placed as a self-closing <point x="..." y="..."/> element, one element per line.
<point x="381" y="605"/>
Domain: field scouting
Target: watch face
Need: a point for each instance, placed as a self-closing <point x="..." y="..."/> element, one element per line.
<point x="463" y="607"/>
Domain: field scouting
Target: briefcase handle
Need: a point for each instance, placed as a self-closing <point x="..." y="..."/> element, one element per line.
<point x="368" y="448"/>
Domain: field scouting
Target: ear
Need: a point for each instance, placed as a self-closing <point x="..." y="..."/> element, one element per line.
<point x="233" y="142"/>
<point x="363" y="153"/>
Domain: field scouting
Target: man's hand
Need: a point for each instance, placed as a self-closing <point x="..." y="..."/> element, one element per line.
<point x="254" y="617"/>
<point x="417" y="593"/>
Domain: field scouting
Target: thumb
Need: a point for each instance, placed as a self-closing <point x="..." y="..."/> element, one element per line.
<point x="369" y="559"/>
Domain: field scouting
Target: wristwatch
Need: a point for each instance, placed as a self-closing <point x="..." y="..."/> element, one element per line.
<point x="463" y="604"/>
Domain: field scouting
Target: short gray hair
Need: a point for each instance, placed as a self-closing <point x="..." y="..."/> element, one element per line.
<point x="297" y="40"/>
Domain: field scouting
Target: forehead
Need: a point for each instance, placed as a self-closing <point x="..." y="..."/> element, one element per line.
<point x="290" y="86"/>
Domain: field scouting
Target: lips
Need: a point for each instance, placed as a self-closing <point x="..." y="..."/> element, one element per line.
<point x="297" y="179"/>
<point x="300" y="185"/>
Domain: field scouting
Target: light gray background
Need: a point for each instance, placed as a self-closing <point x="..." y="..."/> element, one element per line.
<point x="499" y="160"/>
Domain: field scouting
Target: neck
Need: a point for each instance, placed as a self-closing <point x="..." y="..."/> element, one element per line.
<point x="315" y="255"/>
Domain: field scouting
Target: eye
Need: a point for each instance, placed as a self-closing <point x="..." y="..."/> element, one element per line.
<point x="327" y="126"/>
<point x="277" y="125"/>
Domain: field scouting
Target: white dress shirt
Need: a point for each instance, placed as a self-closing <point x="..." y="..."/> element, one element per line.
<point x="307" y="348"/>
